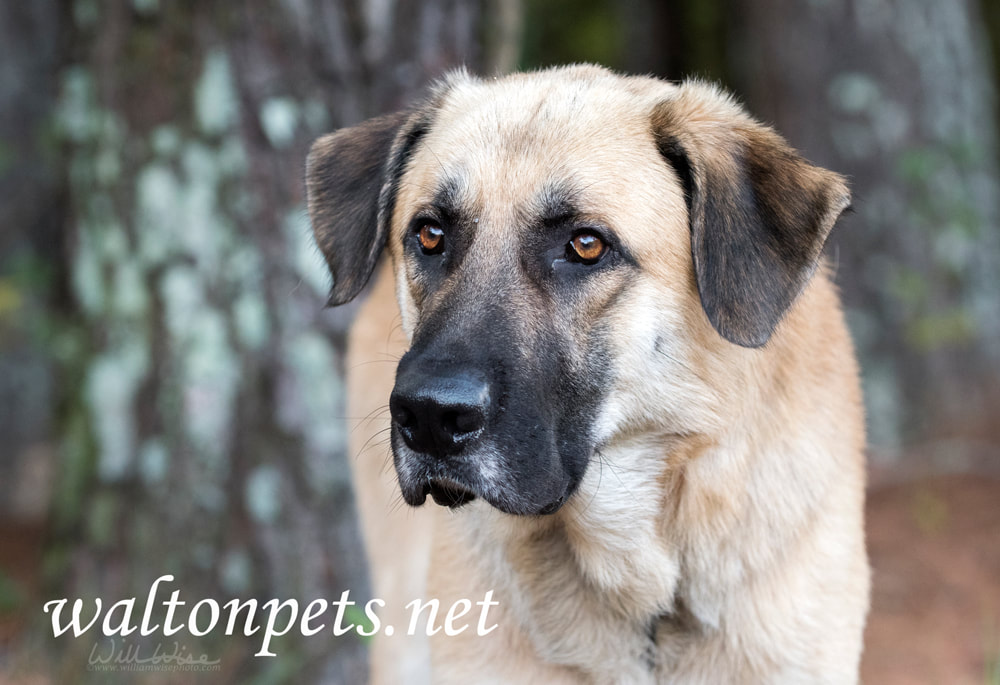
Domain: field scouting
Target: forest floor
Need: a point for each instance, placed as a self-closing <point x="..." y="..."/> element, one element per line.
<point x="934" y="544"/>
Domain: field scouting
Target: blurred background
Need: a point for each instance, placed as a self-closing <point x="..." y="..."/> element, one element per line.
<point x="170" y="384"/>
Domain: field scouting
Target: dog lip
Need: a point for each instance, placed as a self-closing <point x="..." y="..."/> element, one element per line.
<point x="415" y="496"/>
<point x="449" y="493"/>
<point x="454" y="483"/>
<point x="552" y="507"/>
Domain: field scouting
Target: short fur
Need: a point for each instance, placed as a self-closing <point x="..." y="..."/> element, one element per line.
<point x="665" y="481"/>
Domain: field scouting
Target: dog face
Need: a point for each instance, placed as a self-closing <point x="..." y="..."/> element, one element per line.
<point x="575" y="253"/>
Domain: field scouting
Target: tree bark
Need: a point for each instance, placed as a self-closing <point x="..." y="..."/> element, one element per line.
<point x="899" y="96"/>
<point x="29" y="247"/>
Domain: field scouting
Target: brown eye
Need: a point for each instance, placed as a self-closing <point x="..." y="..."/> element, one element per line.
<point x="431" y="238"/>
<point x="586" y="248"/>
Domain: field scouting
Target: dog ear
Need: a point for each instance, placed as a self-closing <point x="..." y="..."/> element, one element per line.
<point x="759" y="214"/>
<point x="350" y="187"/>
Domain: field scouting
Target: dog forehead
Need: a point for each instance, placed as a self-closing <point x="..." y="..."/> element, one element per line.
<point x="529" y="104"/>
<point x="541" y="120"/>
<point x="504" y="144"/>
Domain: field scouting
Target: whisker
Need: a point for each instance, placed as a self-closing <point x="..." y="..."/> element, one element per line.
<point x="374" y="414"/>
<point x="387" y="462"/>
<point x="368" y="442"/>
<point x="388" y="358"/>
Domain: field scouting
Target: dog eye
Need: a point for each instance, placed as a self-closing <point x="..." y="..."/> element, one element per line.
<point x="431" y="238"/>
<point x="585" y="248"/>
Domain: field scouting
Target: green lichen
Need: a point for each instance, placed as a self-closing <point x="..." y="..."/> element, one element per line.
<point x="937" y="330"/>
<point x="154" y="461"/>
<point x="909" y="286"/>
<point x="77" y="117"/>
<point x="236" y="572"/>
<point x="107" y="167"/>
<point x="279" y="117"/>
<point x="157" y="194"/>
<point x="86" y="13"/>
<point x="316" y="116"/>
<point x="853" y="140"/>
<point x="263" y="494"/>
<point x="304" y="255"/>
<point x="88" y="286"/>
<point x="854" y="92"/>
<point x="12" y="594"/>
<point x="231" y="157"/>
<point x="210" y="370"/>
<point x="129" y="297"/>
<point x="216" y="104"/>
<point x="211" y="376"/>
<point x="313" y="363"/>
<point x="916" y="164"/>
<point x="147" y="7"/>
<point x="102" y="518"/>
<point x="181" y="294"/>
<point x="251" y="319"/>
<point x="162" y="266"/>
<point x="112" y="382"/>
<point x="10" y="299"/>
<point x="165" y="140"/>
<point x="882" y="400"/>
<point x="203" y="230"/>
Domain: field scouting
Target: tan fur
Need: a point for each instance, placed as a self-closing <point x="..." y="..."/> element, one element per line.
<point x="728" y="495"/>
<point x="392" y="531"/>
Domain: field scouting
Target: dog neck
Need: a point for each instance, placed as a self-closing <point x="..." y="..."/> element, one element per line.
<point x="579" y="567"/>
<point x="615" y="561"/>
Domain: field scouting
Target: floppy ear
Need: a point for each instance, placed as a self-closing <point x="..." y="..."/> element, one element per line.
<point x="759" y="214"/>
<point x="350" y="178"/>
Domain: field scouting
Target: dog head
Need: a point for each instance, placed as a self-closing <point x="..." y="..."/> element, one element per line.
<point x="569" y="247"/>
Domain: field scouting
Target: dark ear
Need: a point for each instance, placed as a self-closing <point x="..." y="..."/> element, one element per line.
<point x="345" y="175"/>
<point x="759" y="214"/>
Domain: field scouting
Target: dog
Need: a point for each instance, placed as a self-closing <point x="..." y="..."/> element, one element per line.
<point x="623" y="370"/>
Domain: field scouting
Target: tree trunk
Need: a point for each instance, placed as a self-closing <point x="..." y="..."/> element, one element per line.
<point x="205" y="430"/>
<point x="29" y="248"/>
<point x="900" y="97"/>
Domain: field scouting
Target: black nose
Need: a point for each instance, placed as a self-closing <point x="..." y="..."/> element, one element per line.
<point x="439" y="414"/>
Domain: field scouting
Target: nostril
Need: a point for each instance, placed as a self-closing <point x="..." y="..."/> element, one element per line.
<point x="459" y="422"/>
<point x="401" y="413"/>
<point x="467" y="421"/>
<point x="404" y="417"/>
<point x="449" y="422"/>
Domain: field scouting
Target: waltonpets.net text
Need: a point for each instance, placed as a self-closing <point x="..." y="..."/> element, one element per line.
<point x="279" y="617"/>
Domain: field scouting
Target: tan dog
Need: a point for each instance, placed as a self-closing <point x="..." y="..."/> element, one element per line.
<point x="624" y="379"/>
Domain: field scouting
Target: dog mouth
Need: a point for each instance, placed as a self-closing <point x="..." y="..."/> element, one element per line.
<point x="448" y="493"/>
<point x="420" y="477"/>
<point x="461" y="481"/>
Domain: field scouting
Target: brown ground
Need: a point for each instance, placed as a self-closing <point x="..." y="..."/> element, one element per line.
<point x="935" y="553"/>
<point x="935" y="550"/>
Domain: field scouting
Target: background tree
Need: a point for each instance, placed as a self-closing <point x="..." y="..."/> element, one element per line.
<point x="901" y="97"/>
<point x="31" y="215"/>
<point x="200" y="393"/>
<point x="30" y="246"/>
